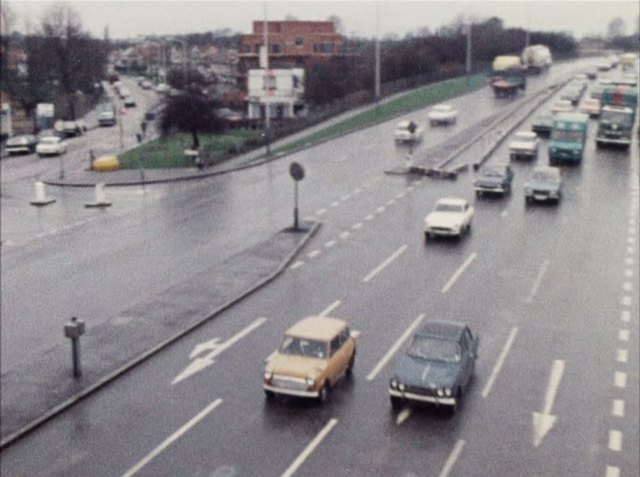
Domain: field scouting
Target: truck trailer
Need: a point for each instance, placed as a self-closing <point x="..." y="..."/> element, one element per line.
<point x="507" y="76"/>
<point x="617" y="115"/>
<point x="536" y="59"/>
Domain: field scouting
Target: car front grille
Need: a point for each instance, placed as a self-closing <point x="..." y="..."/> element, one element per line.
<point x="284" y="382"/>
<point x="421" y="391"/>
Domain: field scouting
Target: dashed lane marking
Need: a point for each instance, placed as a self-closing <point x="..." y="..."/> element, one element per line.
<point x="612" y="471"/>
<point x="615" y="441"/>
<point x="617" y="408"/>
<point x="330" y="243"/>
<point x="622" y="356"/>
<point x="298" y="264"/>
<point x="356" y="226"/>
<point x="620" y="379"/>
<point x="310" y="448"/>
<point x="313" y="254"/>
<point x="453" y="457"/>
<point x="623" y="335"/>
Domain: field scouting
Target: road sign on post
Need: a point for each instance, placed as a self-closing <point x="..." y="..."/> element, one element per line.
<point x="297" y="173"/>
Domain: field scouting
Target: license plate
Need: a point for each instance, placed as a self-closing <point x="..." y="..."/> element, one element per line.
<point x="539" y="197"/>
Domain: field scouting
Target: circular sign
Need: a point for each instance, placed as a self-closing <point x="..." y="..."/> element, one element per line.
<point x="296" y="171"/>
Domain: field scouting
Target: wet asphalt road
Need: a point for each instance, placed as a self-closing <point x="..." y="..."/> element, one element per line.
<point x="551" y="281"/>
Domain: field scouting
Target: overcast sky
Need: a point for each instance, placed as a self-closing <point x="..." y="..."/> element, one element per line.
<point x="131" y="18"/>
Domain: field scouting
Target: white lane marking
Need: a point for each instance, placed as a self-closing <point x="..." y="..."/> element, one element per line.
<point x="201" y="415"/>
<point x="391" y="202"/>
<point x="544" y="421"/>
<point x="627" y="300"/>
<point x="321" y="211"/>
<point x="453" y="457"/>
<point x="198" y="364"/>
<point x="297" y="264"/>
<point x="629" y="261"/>
<point x="356" y="226"/>
<point x="628" y="272"/>
<point x="620" y="379"/>
<point x="369" y="217"/>
<point x="410" y="188"/>
<point x="499" y="363"/>
<point x="617" y="408"/>
<point x="612" y="471"/>
<point x="403" y="415"/>
<point x="504" y="213"/>
<point x="330" y="243"/>
<point x="313" y="254"/>
<point x="622" y="356"/>
<point x="395" y="347"/>
<point x="357" y="190"/>
<point x="335" y="204"/>
<point x="309" y="218"/>
<point x="627" y="286"/>
<point x="630" y="250"/>
<point x="631" y="240"/>
<point x="418" y="182"/>
<point x="310" y="448"/>
<point x="459" y="272"/>
<point x="346" y="197"/>
<point x="615" y="441"/>
<point x="380" y="209"/>
<point x="385" y="264"/>
<point x="330" y="308"/>
<point x="401" y="195"/>
<point x="623" y="335"/>
<point x="538" y="281"/>
<point x="344" y="235"/>
<point x="625" y="316"/>
<point x="355" y="333"/>
<point x="632" y="232"/>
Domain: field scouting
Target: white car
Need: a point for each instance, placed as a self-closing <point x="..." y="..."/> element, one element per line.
<point x="408" y="131"/>
<point x="51" y="146"/>
<point x="562" y="106"/>
<point x="450" y="217"/>
<point x="525" y="144"/>
<point x="442" y="114"/>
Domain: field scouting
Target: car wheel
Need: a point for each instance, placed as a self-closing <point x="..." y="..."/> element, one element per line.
<point x="323" y="396"/>
<point x="427" y="236"/>
<point x="352" y="363"/>
<point x="269" y="395"/>
<point x="396" y="403"/>
<point x="478" y="193"/>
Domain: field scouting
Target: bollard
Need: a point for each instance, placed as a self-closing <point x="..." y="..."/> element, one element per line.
<point x="101" y="200"/>
<point x="41" y="196"/>
<point x="73" y="330"/>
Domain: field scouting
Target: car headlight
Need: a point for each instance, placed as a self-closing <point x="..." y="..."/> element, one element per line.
<point x="440" y="392"/>
<point x="447" y="391"/>
<point x="393" y="384"/>
<point x="401" y="386"/>
<point x="268" y="375"/>
<point x="553" y="150"/>
<point x="311" y="380"/>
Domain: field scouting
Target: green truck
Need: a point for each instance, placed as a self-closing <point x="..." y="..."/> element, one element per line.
<point x="568" y="136"/>
<point x="619" y="105"/>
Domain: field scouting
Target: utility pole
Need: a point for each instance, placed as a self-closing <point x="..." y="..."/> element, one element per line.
<point x="468" y="59"/>
<point x="377" y="69"/>
<point x="266" y="81"/>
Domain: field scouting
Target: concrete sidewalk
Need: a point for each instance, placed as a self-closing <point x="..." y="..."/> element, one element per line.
<point x="44" y="386"/>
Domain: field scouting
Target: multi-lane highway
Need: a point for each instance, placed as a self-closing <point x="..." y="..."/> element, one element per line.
<point x="551" y="290"/>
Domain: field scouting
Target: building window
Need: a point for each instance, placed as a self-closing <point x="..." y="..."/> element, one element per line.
<point x="258" y="45"/>
<point x="327" y="48"/>
<point x="299" y="41"/>
<point x="270" y="82"/>
<point x="276" y="48"/>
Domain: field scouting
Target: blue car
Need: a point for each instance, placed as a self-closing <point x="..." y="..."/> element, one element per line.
<point x="437" y="367"/>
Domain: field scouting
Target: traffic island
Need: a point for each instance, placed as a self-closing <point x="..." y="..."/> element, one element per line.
<point x="37" y="390"/>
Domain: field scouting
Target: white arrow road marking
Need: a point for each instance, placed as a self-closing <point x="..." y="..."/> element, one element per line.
<point x="206" y="346"/>
<point x="544" y="421"/>
<point x="154" y="453"/>
<point x="310" y="448"/>
<point x="199" y="364"/>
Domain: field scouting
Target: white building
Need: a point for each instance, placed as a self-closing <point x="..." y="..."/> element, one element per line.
<point x="281" y="89"/>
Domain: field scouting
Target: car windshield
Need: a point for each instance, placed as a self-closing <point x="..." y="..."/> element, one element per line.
<point x="49" y="140"/>
<point x="566" y="136"/>
<point x="525" y="138"/>
<point x="304" y="347"/>
<point x="616" y="117"/>
<point x="492" y="172"/>
<point x="442" y="207"/>
<point x="544" y="176"/>
<point x="434" y="349"/>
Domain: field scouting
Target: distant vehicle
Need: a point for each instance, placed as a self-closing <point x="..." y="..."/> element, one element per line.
<point x="107" y="118"/>
<point x="450" y="217"/>
<point x="628" y="79"/>
<point x="590" y="106"/>
<point x="562" y="106"/>
<point x="568" y="136"/>
<point x="592" y="72"/>
<point x="408" y="131"/>
<point x="493" y="179"/>
<point x="129" y="102"/>
<point x="507" y="76"/>
<point x="628" y="60"/>
<point x="617" y="115"/>
<point x="51" y="146"/>
<point x="146" y="84"/>
<point x="544" y="184"/>
<point x="604" y="65"/>
<point x="71" y="128"/>
<point x="542" y="124"/>
<point x="123" y="92"/>
<point x="150" y="115"/>
<point x="614" y="60"/>
<point x="442" y="114"/>
<point x="316" y="352"/>
<point x="23" y="144"/>
<point x="525" y="144"/>
<point x="536" y="58"/>
<point x="162" y="88"/>
<point x="438" y="366"/>
<point x="572" y="94"/>
<point x="596" y="91"/>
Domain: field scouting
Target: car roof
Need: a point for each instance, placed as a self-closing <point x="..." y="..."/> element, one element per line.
<point x="317" y="327"/>
<point x="549" y="169"/>
<point x="442" y="106"/>
<point x="452" y="200"/>
<point x="448" y="330"/>
<point x="527" y="134"/>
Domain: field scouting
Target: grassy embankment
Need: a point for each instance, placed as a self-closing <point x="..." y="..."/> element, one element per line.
<point x="166" y="153"/>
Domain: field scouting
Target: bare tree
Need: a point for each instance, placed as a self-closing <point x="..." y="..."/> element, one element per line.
<point x="616" y="28"/>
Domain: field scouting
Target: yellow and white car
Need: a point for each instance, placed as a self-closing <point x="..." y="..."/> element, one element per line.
<point x="315" y="354"/>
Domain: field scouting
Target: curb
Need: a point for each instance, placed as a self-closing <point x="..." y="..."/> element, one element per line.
<point x="12" y="438"/>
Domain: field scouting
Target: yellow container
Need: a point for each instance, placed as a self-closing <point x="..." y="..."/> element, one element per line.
<point x="106" y="163"/>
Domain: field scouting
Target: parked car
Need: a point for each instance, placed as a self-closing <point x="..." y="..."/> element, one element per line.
<point x="493" y="179"/>
<point x="544" y="184"/>
<point x="590" y="106"/>
<point x="129" y="102"/>
<point x="442" y="114"/>
<point x="450" y="217"/>
<point x="542" y="124"/>
<point x="525" y="144"/>
<point x="562" y="106"/>
<point x="23" y="144"/>
<point x="107" y="118"/>
<point x="408" y="131"/>
<point x="438" y="366"/>
<point x="316" y="352"/>
<point x="51" y="146"/>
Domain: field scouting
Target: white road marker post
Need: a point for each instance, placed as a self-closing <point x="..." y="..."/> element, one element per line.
<point x="41" y="198"/>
